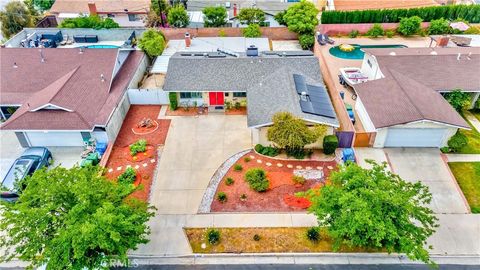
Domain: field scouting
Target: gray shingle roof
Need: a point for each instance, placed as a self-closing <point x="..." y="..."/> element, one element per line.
<point x="267" y="79"/>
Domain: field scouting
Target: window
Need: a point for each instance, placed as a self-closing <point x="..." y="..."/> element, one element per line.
<point x="110" y="15"/>
<point x="239" y="94"/>
<point x="132" y="17"/>
<point x="190" y="95"/>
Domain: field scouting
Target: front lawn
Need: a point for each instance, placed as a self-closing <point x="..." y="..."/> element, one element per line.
<point x="241" y="240"/>
<point x="473" y="135"/>
<point x="476" y="112"/>
<point x="468" y="178"/>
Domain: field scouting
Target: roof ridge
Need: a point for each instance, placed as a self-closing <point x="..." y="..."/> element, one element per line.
<point x="68" y="76"/>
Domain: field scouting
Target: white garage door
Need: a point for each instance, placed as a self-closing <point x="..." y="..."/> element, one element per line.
<point x="55" y="138"/>
<point x="415" y="137"/>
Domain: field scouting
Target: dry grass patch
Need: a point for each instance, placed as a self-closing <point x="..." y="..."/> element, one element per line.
<point x="281" y="240"/>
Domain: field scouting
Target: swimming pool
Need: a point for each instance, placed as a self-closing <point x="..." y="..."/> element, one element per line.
<point x="357" y="53"/>
<point x="102" y="47"/>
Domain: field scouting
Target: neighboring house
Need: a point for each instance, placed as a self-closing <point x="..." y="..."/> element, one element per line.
<point x="346" y="5"/>
<point x="127" y="13"/>
<point x="63" y="97"/>
<point x="270" y="81"/>
<point x="402" y="101"/>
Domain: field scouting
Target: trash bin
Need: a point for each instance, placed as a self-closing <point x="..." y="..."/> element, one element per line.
<point x="348" y="155"/>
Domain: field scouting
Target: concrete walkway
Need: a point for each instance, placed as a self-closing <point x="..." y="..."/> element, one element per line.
<point x="463" y="157"/>
<point x="473" y="120"/>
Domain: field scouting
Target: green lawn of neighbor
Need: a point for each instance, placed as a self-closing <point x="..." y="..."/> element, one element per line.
<point x="468" y="178"/>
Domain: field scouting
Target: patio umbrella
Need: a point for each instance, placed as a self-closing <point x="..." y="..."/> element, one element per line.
<point x="459" y="26"/>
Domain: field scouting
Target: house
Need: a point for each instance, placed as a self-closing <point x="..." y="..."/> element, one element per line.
<point x="127" y="13"/>
<point x="402" y="102"/>
<point x="348" y="5"/>
<point x="269" y="81"/>
<point x="63" y="97"/>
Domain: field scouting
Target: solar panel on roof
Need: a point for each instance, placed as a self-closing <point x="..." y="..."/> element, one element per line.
<point x="318" y="102"/>
<point x="300" y="84"/>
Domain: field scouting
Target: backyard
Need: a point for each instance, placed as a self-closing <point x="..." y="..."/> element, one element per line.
<point x="468" y="178"/>
<point x="145" y="161"/>
<point x="280" y="194"/>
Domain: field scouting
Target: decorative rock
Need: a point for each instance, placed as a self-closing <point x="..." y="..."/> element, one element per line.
<point x="319" y="168"/>
<point x="152" y="160"/>
<point x="128" y="166"/>
<point x="110" y="170"/>
<point x="309" y="174"/>
<point x="279" y="165"/>
<point x="259" y="161"/>
<point x="144" y="164"/>
<point x="203" y="246"/>
<point x="299" y="167"/>
<point x="252" y="157"/>
<point x="136" y="167"/>
<point x="268" y="164"/>
<point x="289" y="166"/>
<point x="330" y="167"/>
<point x="308" y="168"/>
<point x="119" y="168"/>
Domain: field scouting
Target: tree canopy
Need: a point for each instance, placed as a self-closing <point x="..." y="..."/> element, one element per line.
<point x="159" y="10"/>
<point x="91" y="21"/>
<point x="152" y="42"/>
<point x="290" y="132"/>
<point x="73" y="219"/>
<point x="301" y="17"/>
<point x="409" y="26"/>
<point x="251" y="15"/>
<point x="374" y="208"/>
<point x="252" y="31"/>
<point x="458" y="99"/>
<point x="214" y="16"/>
<point x="14" y="17"/>
<point x="178" y="17"/>
<point x="43" y="4"/>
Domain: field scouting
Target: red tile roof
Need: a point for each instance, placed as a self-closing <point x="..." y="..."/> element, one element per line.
<point x="67" y="79"/>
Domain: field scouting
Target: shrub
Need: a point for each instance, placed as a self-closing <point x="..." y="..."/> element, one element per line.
<point x="298" y="179"/>
<point x="221" y="33"/>
<point x="237" y="105"/>
<point x="213" y="236"/>
<point x="473" y="30"/>
<point x="152" y="42"/>
<point x="438" y="27"/>
<point x="267" y="150"/>
<point x="128" y="176"/>
<point x="390" y="33"/>
<point x="409" y="26"/>
<point x="445" y="149"/>
<point x="138" y="147"/>
<point x="247" y="159"/>
<point x="252" y="31"/>
<point x="458" y="99"/>
<point x="257" y="179"/>
<point x="330" y="143"/>
<point x="229" y="181"/>
<point x="222" y="197"/>
<point x="228" y="105"/>
<point x="298" y="153"/>
<point x="178" y="17"/>
<point x="92" y="21"/>
<point x="243" y="197"/>
<point x="256" y="237"/>
<point x="172" y="96"/>
<point x="376" y="31"/>
<point x="353" y="34"/>
<point x="301" y="17"/>
<point x="214" y="16"/>
<point x="258" y="148"/>
<point x="251" y="16"/>
<point x="237" y="167"/>
<point x="470" y="13"/>
<point x="306" y="41"/>
<point x="313" y="234"/>
<point x="457" y="142"/>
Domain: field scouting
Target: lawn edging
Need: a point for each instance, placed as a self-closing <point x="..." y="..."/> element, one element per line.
<point x="217" y="177"/>
<point x="334" y="157"/>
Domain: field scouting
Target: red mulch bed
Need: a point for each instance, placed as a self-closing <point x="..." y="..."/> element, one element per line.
<point x="241" y="111"/>
<point x="182" y="112"/>
<point x="120" y="155"/>
<point x="280" y="195"/>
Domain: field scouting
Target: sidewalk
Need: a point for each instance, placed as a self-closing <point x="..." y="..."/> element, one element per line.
<point x="473" y="120"/>
<point x="463" y="157"/>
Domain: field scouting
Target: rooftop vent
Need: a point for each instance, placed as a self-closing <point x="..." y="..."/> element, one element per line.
<point x="392" y="53"/>
<point x="433" y="53"/>
<point x="15" y="65"/>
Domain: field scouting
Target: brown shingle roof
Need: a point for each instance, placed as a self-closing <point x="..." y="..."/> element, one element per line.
<point x="398" y="99"/>
<point x="381" y="4"/>
<point x="440" y="72"/>
<point x="67" y="79"/>
<point x="103" y="6"/>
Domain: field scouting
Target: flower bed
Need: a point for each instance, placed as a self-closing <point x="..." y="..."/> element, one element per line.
<point x="120" y="156"/>
<point x="279" y="197"/>
<point x="183" y="112"/>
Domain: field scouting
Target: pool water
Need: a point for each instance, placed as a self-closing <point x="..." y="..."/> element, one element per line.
<point x="358" y="53"/>
<point x="102" y="47"/>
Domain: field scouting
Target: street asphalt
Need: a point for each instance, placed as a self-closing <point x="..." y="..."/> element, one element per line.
<point x="304" y="267"/>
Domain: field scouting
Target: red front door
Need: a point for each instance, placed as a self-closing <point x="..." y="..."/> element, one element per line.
<point x="216" y="98"/>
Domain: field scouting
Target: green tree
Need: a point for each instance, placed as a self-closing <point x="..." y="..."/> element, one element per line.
<point x="160" y="9"/>
<point x="33" y="11"/>
<point x="73" y="219"/>
<point x="301" y="17"/>
<point x="438" y="27"/>
<point x="43" y="4"/>
<point x="306" y="41"/>
<point x="252" y="31"/>
<point x="458" y="99"/>
<point x="91" y="21"/>
<point x="290" y="132"/>
<point x="214" y="16"/>
<point x="152" y="42"/>
<point x="251" y="15"/>
<point x="279" y="17"/>
<point x="14" y="17"/>
<point x="178" y="17"/>
<point x="409" y="26"/>
<point x="374" y="208"/>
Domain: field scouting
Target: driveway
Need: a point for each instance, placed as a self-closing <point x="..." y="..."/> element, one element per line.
<point x="426" y="165"/>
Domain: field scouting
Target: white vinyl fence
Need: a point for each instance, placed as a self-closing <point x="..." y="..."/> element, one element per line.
<point x="148" y="97"/>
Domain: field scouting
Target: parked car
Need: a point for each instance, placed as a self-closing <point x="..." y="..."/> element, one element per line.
<point x="350" y="112"/>
<point x="32" y="159"/>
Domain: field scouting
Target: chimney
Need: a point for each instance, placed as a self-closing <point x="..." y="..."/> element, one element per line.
<point x="92" y="8"/>
<point x="188" y="40"/>
<point x="234" y="10"/>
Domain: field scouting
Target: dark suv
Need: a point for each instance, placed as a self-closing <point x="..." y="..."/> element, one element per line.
<point x="31" y="160"/>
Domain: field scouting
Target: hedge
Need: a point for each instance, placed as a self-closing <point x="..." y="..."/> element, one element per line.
<point x="470" y="13"/>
